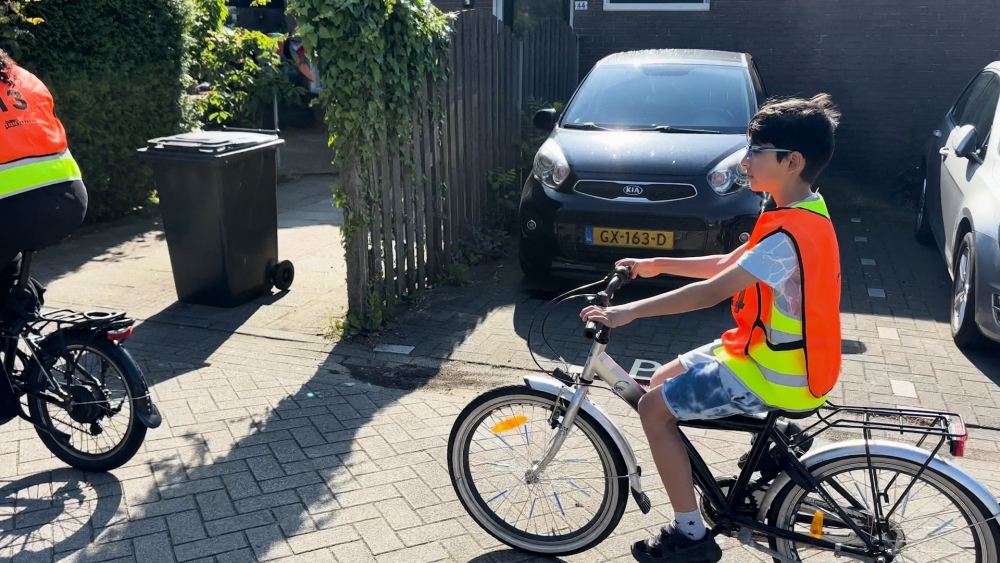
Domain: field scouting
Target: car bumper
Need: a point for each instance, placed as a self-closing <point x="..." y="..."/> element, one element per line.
<point x="702" y="225"/>
<point x="988" y="286"/>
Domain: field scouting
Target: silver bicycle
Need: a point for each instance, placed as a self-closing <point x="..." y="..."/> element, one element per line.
<point x="545" y="470"/>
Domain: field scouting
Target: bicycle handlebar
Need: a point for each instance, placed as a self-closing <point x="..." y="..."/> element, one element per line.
<point x="619" y="278"/>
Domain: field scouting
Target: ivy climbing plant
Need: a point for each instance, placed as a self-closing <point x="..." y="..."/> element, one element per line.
<point x="374" y="58"/>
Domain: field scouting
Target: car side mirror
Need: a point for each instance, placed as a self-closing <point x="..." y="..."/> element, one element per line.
<point x="966" y="141"/>
<point x="545" y="119"/>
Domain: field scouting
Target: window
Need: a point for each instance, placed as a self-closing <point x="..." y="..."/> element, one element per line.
<point x="981" y="112"/>
<point x="961" y="114"/>
<point x="717" y="98"/>
<point x="656" y="5"/>
<point x="522" y="15"/>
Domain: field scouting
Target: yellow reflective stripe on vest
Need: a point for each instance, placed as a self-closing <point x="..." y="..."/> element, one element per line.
<point x="31" y="173"/>
<point x="783" y="329"/>
<point x="784" y="323"/>
<point x="775" y="394"/>
<point x="816" y="206"/>
<point x="785" y="362"/>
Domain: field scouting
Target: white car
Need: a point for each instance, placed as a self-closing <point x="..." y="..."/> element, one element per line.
<point x="959" y="207"/>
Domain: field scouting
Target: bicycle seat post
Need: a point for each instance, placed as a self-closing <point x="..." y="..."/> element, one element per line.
<point x="25" y="274"/>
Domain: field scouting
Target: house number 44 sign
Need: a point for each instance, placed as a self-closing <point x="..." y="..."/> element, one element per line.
<point x="580" y="4"/>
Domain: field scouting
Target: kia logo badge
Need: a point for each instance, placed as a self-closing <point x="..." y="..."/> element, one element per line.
<point x="633" y="190"/>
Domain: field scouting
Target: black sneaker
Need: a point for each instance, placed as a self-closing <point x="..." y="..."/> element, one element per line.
<point x="671" y="545"/>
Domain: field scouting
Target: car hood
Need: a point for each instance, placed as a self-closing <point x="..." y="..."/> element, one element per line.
<point x="645" y="152"/>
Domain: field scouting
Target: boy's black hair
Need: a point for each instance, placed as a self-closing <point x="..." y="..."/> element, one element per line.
<point x="797" y="124"/>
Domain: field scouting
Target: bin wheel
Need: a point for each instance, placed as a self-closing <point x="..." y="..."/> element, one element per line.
<point x="283" y="275"/>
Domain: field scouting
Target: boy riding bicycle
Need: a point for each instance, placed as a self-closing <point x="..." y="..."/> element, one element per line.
<point x="785" y="351"/>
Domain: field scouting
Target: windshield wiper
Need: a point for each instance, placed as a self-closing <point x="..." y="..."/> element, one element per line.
<point x="588" y="126"/>
<point x="672" y="129"/>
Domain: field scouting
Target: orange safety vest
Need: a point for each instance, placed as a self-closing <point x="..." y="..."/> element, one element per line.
<point x="33" y="148"/>
<point x="791" y="364"/>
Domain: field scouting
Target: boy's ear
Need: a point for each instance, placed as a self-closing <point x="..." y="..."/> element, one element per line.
<point x="796" y="163"/>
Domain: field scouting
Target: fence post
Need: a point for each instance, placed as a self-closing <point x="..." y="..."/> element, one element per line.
<point x="357" y="247"/>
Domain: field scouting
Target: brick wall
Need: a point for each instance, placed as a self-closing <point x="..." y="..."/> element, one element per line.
<point x="893" y="66"/>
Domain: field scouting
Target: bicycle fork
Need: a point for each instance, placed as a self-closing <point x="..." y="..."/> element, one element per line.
<point x="568" y="419"/>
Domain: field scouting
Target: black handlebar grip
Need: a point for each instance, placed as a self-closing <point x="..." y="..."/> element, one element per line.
<point x="590" y="330"/>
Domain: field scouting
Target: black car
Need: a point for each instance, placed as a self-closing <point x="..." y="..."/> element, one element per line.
<point x="644" y="161"/>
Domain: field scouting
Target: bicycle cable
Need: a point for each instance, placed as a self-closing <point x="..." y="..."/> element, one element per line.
<point x="545" y="339"/>
<point x="555" y="301"/>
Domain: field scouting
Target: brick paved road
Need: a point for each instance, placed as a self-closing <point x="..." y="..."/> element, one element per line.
<point x="276" y="446"/>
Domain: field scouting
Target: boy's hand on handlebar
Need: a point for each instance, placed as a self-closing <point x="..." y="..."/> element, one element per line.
<point x="611" y="317"/>
<point x="640" y="268"/>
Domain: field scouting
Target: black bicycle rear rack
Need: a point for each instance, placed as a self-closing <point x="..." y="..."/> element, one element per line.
<point x="947" y="426"/>
<point x="64" y="318"/>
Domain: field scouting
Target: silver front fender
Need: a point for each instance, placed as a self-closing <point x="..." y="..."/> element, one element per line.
<point x="557" y="389"/>
<point x="882" y="448"/>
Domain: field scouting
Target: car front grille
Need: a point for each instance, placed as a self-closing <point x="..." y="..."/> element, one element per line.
<point x="643" y="221"/>
<point x="645" y="191"/>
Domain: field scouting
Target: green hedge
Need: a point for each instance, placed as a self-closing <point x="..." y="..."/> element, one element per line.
<point x="117" y="70"/>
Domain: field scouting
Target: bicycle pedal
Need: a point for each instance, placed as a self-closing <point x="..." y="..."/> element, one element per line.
<point x="643" y="501"/>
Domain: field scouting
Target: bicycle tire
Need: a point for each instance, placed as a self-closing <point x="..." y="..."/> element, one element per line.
<point x="135" y="433"/>
<point x="597" y="530"/>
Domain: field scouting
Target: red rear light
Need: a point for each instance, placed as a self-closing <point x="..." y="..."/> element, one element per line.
<point x="119" y="335"/>
<point x="958" y="447"/>
<point x="957" y="428"/>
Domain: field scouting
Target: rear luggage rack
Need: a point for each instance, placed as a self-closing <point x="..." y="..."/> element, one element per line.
<point x="948" y="427"/>
<point x="97" y="320"/>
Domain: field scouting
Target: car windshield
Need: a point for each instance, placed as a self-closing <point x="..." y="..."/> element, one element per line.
<point x="716" y="98"/>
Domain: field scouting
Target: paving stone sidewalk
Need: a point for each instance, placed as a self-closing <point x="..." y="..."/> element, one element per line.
<point x="281" y="445"/>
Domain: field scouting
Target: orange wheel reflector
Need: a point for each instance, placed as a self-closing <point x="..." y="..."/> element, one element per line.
<point x="509" y="424"/>
<point x="816" y="528"/>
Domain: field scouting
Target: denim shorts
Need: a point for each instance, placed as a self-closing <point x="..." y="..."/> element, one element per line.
<point x="708" y="389"/>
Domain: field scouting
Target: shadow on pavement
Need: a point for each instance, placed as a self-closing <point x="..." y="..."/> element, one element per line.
<point x="59" y="511"/>
<point x="271" y="448"/>
<point x="97" y="244"/>
<point x="512" y="555"/>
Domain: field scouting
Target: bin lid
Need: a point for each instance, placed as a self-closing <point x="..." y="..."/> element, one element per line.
<point x="210" y="142"/>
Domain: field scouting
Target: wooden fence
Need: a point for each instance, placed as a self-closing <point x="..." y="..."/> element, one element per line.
<point x="551" y="61"/>
<point x="424" y="216"/>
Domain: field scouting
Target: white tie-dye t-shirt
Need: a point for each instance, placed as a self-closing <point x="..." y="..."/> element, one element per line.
<point x="775" y="262"/>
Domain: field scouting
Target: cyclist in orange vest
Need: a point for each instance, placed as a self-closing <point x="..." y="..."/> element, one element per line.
<point x="42" y="197"/>
<point x="785" y="350"/>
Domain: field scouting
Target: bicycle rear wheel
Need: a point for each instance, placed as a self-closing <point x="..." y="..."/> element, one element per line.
<point x="103" y="426"/>
<point x="936" y="520"/>
<point x="575" y="503"/>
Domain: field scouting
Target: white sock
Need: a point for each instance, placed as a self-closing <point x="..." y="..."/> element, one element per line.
<point x="690" y="524"/>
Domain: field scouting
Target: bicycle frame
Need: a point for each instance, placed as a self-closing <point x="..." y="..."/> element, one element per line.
<point x="34" y="332"/>
<point x="600" y="366"/>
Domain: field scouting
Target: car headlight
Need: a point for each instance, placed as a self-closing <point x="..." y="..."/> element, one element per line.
<point x="728" y="177"/>
<point x="550" y="168"/>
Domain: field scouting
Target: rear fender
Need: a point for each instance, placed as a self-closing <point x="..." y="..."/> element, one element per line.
<point x="145" y="410"/>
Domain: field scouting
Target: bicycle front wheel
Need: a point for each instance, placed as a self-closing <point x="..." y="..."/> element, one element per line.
<point x="934" y="520"/>
<point x="571" y="507"/>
